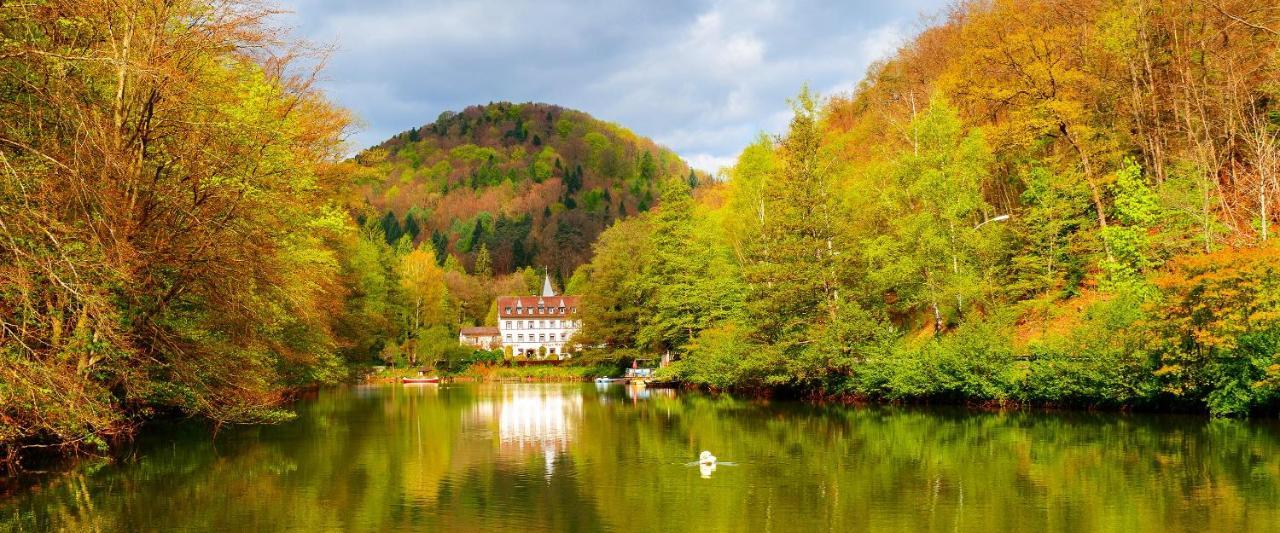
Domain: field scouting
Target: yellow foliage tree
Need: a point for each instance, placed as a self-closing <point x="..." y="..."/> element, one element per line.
<point x="423" y="282"/>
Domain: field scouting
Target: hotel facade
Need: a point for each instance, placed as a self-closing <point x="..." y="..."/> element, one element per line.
<point x="538" y="327"/>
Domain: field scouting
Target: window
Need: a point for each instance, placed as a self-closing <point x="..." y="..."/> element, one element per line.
<point x="574" y="309"/>
<point x="508" y="310"/>
<point x="542" y="337"/>
<point x="552" y="351"/>
<point x="562" y="309"/>
<point x="508" y="336"/>
<point x="563" y="336"/>
<point x="521" y="336"/>
<point x="508" y="324"/>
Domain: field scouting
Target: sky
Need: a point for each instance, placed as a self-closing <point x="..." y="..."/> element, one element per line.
<point x="703" y="78"/>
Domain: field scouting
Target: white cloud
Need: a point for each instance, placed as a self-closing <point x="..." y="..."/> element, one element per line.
<point x="882" y="42"/>
<point x="710" y="163"/>
<point x="702" y="77"/>
<point x="709" y="46"/>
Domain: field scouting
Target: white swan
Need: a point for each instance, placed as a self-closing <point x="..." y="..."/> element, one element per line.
<point x="706" y="458"/>
<point x="705" y="469"/>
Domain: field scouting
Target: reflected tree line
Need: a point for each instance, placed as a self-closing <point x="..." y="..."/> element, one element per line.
<point x="393" y="458"/>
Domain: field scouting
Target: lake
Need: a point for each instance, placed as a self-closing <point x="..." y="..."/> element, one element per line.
<point x="587" y="457"/>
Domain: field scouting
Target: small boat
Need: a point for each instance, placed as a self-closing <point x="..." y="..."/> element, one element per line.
<point x="408" y="381"/>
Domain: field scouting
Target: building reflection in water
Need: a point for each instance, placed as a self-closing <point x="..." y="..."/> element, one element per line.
<point x="531" y="419"/>
<point x="640" y="392"/>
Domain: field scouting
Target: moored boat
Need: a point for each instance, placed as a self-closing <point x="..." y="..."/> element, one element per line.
<point x="408" y="381"/>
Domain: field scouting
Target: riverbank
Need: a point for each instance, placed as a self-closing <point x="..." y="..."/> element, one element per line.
<point x="496" y="373"/>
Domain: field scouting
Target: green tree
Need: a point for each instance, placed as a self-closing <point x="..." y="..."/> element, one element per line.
<point x="796" y="266"/>
<point x="483" y="264"/>
<point x="677" y="309"/>
<point x="1136" y="210"/>
<point x="615" y="299"/>
<point x="645" y="168"/>
<point x="933" y="211"/>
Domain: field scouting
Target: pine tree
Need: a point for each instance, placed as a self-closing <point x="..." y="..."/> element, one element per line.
<point x="440" y="243"/>
<point x="794" y="268"/>
<point x="391" y="227"/>
<point x="483" y="266"/>
<point x="677" y="311"/>
<point x="411" y="227"/>
<point x="646" y="168"/>
<point x="646" y="201"/>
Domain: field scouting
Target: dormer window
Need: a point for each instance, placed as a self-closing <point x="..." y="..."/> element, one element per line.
<point x="508" y="310"/>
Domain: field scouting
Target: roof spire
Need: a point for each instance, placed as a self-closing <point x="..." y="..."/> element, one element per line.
<point x="547" y="290"/>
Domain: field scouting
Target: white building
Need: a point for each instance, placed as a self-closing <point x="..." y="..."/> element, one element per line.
<point x="538" y="326"/>
<point x="484" y="338"/>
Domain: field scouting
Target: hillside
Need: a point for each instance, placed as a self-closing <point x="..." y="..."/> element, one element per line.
<point x="1041" y="202"/>
<point x="532" y="184"/>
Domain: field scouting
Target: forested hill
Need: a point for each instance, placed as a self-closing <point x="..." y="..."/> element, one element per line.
<point x="527" y="184"/>
<point x="1039" y="201"/>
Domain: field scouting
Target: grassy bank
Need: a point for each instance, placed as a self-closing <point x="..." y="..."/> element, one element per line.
<point x="537" y="373"/>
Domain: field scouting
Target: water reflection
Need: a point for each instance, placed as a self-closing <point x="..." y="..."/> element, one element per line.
<point x="635" y="391"/>
<point x="530" y="417"/>
<point x="640" y="393"/>
<point x="706" y="469"/>
<point x="526" y="457"/>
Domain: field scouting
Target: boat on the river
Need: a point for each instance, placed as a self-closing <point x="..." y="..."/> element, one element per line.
<point x="409" y="381"/>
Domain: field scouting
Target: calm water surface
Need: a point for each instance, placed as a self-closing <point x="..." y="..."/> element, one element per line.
<point x="607" y="458"/>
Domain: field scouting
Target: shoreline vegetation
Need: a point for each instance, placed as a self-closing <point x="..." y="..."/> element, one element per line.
<point x="483" y="373"/>
<point x="1031" y="203"/>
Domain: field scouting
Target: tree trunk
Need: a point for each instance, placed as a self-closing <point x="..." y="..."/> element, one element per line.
<point x="937" y="319"/>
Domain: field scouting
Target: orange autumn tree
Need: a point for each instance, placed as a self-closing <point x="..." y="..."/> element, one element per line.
<point x="167" y="239"/>
<point x="1218" y="328"/>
